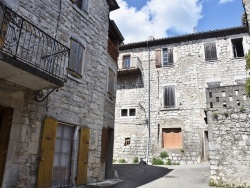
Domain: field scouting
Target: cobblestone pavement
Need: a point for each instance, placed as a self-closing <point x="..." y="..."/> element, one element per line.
<point x="147" y="176"/>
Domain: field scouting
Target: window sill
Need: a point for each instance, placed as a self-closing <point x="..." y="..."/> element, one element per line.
<point x="169" y="109"/>
<point x="168" y="66"/>
<point x="75" y="74"/>
<point x="238" y="57"/>
<point x="211" y="61"/>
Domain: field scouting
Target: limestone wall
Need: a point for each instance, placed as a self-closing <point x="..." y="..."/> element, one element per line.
<point x="190" y="74"/>
<point x="229" y="135"/>
<point x="81" y="102"/>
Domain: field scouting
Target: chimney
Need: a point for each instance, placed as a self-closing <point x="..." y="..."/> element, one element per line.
<point x="151" y="38"/>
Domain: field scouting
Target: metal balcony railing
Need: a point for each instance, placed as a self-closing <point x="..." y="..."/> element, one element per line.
<point x="29" y="44"/>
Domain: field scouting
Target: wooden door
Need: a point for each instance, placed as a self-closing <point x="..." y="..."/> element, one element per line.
<point x="5" y="126"/>
<point x="172" y="138"/>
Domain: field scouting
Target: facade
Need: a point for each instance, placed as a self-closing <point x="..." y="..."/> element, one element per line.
<point x="58" y="67"/>
<point x="181" y="68"/>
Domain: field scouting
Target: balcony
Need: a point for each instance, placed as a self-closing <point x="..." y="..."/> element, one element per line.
<point x="129" y="65"/>
<point x="28" y="56"/>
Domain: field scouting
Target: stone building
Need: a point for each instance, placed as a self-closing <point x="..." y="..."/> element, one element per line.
<point x="58" y="66"/>
<point x="229" y="129"/>
<point x="181" y="68"/>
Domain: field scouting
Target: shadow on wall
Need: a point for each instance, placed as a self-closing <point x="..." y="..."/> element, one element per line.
<point x="131" y="82"/>
<point x="136" y="175"/>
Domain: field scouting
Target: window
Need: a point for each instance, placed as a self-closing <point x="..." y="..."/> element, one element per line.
<point x="210" y="51"/>
<point x="169" y="96"/>
<point x="127" y="142"/>
<point x="76" y="58"/>
<point x="62" y="156"/>
<point x="124" y="112"/>
<point x="81" y="4"/>
<point x="213" y="84"/>
<point x="171" y="138"/>
<point x="237" y="47"/>
<point x="128" y="112"/>
<point x="111" y="86"/>
<point x="167" y="56"/>
<point x="126" y="62"/>
<point x="132" y="112"/>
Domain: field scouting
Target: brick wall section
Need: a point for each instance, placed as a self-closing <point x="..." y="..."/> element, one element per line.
<point x="190" y="75"/>
<point x="229" y="136"/>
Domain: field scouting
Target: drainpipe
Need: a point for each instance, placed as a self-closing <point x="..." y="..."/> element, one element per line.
<point x="148" y="102"/>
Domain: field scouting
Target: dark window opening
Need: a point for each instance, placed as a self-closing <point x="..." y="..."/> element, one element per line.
<point x="211" y="105"/>
<point x="224" y="104"/>
<point x="132" y="112"/>
<point x="238" y="103"/>
<point x="237" y="48"/>
<point x="169" y="96"/>
<point x="210" y="51"/>
<point x="127" y="142"/>
<point x="217" y="99"/>
<point x="124" y="112"/>
<point x="205" y="118"/>
<point x="210" y="94"/>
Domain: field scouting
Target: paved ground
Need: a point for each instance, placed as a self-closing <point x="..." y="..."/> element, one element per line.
<point x="147" y="176"/>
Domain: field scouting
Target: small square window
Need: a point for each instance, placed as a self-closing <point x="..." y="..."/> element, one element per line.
<point x="223" y="93"/>
<point x="211" y="105"/>
<point x="238" y="103"/>
<point x="81" y="4"/>
<point x="127" y="142"/>
<point x="210" y="94"/>
<point x="224" y="104"/>
<point x="132" y="112"/>
<point x="124" y="112"/>
<point x="238" y="50"/>
<point x="217" y="99"/>
<point x="236" y="92"/>
<point x="230" y="98"/>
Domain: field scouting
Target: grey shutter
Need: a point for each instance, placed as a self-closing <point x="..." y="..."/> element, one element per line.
<point x="170" y="56"/>
<point x="213" y="51"/>
<point x="85" y="5"/>
<point x="73" y="55"/>
<point x="80" y="59"/>
<point x="207" y="52"/>
<point x="169" y="96"/>
<point x="158" y="58"/>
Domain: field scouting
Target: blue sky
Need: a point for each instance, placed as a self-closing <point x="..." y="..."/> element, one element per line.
<point x="139" y="19"/>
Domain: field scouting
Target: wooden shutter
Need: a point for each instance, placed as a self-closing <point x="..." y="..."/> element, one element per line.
<point x="4" y="24"/>
<point x="207" y="52"/>
<point x="169" y="96"/>
<point x="213" y="51"/>
<point x="80" y="59"/>
<point x="111" y="86"/>
<point x="82" y="167"/>
<point x="158" y="58"/>
<point x="73" y="55"/>
<point x="172" y="138"/>
<point x="104" y="144"/>
<point x="170" y="56"/>
<point x="47" y="153"/>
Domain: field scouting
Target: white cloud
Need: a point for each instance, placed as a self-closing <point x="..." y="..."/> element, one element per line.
<point x="225" y="1"/>
<point x="156" y="17"/>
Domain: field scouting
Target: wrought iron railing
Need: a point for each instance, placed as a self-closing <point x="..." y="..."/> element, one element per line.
<point x="26" y="42"/>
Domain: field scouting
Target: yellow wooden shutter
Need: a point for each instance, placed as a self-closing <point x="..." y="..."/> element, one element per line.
<point x="47" y="153"/>
<point x="104" y="144"/>
<point x="82" y="167"/>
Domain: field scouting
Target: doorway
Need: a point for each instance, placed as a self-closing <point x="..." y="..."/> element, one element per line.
<point x="109" y="162"/>
<point x="5" y="126"/>
<point x="206" y="146"/>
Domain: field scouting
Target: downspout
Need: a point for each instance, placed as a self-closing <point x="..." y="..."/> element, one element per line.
<point x="148" y="103"/>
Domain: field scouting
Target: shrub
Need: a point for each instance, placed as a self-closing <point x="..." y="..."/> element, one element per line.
<point x="169" y="162"/>
<point x="136" y="160"/>
<point x="157" y="161"/>
<point x="121" y="160"/>
<point x="163" y="154"/>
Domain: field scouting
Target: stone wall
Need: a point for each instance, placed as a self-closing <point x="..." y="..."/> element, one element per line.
<point x="229" y="135"/>
<point x="81" y="102"/>
<point x="190" y="74"/>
